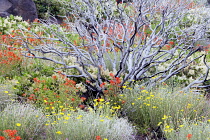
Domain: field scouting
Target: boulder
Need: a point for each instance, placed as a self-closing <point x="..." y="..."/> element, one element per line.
<point x="4" y="14"/>
<point x="24" y="8"/>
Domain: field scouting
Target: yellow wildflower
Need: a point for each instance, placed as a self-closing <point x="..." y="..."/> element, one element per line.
<point x="18" y="124"/>
<point x="165" y="117"/>
<point x="59" y="132"/>
<point x="154" y="107"/>
<point x="159" y="123"/>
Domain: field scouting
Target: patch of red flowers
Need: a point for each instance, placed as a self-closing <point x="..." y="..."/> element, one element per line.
<point x="9" y="57"/>
<point x="10" y="135"/>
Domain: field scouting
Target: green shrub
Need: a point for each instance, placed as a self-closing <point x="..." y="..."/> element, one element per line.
<point x="148" y="109"/>
<point x="190" y="130"/>
<point x="10" y="62"/>
<point x="89" y="126"/>
<point x="26" y="119"/>
<point x="11" y="23"/>
<point x="49" y="7"/>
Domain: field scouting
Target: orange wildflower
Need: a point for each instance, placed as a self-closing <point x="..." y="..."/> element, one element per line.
<point x="168" y="47"/>
<point x="2" y="138"/>
<point x="102" y="84"/>
<point x="10" y="133"/>
<point x="189" y="136"/>
<point x="98" y="137"/>
<point x="54" y="77"/>
<point x="171" y="43"/>
<point x="112" y="82"/>
<point x="83" y="99"/>
<point x="123" y="101"/>
<point x="118" y="81"/>
<point x="81" y="106"/>
<point x="111" y="74"/>
<point x="17" y="138"/>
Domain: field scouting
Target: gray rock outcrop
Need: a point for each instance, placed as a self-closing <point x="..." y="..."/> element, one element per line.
<point x="23" y="8"/>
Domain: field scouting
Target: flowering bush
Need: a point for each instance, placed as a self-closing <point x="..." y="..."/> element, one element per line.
<point x="52" y="93"/>
<point x="89" y="125"/>
<point x="189" y="130"/>
<point x="9" y="24"/>
<point x="10" y="62"/>
<point x="27" y="120"/>
<point x="150" y="108"/>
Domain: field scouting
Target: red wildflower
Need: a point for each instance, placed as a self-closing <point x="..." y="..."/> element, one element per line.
<point x="123" y="101"/>
<point x="54" y="77"/>
<point x="2" y="138"/>
<point x="98" y="138"/>
<point x="106" y="91"/>
<point x="30" y="98"/>
<point x="87" y="81"/>
<point x="35" y="79"/>
<point x="36" y="20"/>
<point x="32" y="95"/>
<point x="36" y="89"/>
<point x="102" y="84"/>
<point x="81" y="106"/>
<point x="72" y="99"/>
<point x="189" y="136"/>
<point x="168" y="47"/>
<point x="83" y="99"/>
<point x="10" y="133"/>
<point x="111" y="74"/>
<point x="118" y="80"/>
<point x="112" y="82"/>
<point x="171" y="43"/>
<point x="59" y="72"/>
<point x="17" y="138"/>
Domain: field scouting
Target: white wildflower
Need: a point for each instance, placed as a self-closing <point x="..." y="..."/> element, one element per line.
<point x="18" y="18"/>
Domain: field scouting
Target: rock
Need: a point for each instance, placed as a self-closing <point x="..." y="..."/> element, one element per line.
<point x="4" y="5"/>
<point x="4" y="14"/>
<point x="24" y="8"/>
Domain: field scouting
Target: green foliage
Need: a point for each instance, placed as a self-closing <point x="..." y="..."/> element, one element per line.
<point x="31" y="69"/>
<point x="49" y="7"/>
<point x="9" y="24"/>
<point x="10" y="62"/>
<point x="188" y="129"/>
<point x="40" y="86"/>
<point x="150" y="108"/>
<point x="27" y="120"/>
<point x="52" y="93"/>
<point x="89" y="126"/>
<point x="7" y="95"/>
